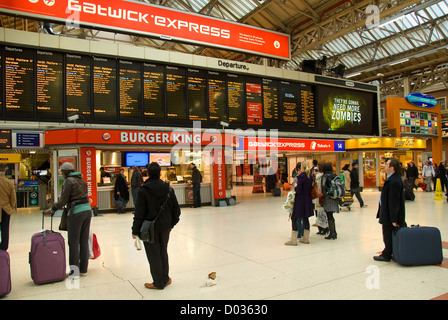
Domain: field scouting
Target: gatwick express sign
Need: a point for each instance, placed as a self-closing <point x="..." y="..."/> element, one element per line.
<point x="136" y="17"/>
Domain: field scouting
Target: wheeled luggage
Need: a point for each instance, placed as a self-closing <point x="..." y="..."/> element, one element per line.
<point x="346" y="201"/>
<point x="5" y="273"/>
<point x="409" y="194"/>
<point x="276" y="192"/>
<point x="417" y="246"/>
<point x="47" y="256"/>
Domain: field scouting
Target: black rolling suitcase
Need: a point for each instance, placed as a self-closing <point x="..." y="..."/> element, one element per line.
<point x="417" y="246"/>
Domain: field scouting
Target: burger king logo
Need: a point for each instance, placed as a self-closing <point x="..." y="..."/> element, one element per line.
<point x="106" y="136"/>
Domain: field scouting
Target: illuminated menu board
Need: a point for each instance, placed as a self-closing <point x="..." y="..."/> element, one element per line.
<point x="104" y="89"/>
<point x="217" y="96"/>
<point x="197" y="90"/>
<point x="175" y="93"/>
<point x="49" y="91"/>
<point x="289" y="102"/>
<point x="254" y="102"/>
<point x="270" y="103"/>
<point x="153" y="91"/>
<point x="308" y="106"/>
<point x="77" y="85"/>
<point x="19" y="75"/>
<point x="235" y="96"/>
<point x="130" y="90"/>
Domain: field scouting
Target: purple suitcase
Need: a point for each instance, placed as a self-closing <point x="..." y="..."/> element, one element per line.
<point x="47" y="256"/>
<point x="5" y="273"/>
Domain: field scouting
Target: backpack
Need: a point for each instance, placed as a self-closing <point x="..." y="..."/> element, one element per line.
<point x="336" y="188"/>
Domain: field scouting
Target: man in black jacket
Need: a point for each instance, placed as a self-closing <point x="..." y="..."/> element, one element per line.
<point x="391" y="211"/>
<point x="196" y="179"/>
<point x="151" y="196"/>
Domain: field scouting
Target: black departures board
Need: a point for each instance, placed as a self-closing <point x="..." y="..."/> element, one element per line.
<point x="130" y="85"/>
<point x="176" y="102"/>
<point x="49" y="84"/>
<point x="19" y="85"/>
<point x="44" y="85"/>
<point x="153" y="92"/>
<point x="197" y="94"/>
<point x="78" y="85"/>
<point x="104" y="89"/>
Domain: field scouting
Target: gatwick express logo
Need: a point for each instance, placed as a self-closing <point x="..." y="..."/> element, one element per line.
<point x="147" y="18"/>
<point x="49" y="3"/>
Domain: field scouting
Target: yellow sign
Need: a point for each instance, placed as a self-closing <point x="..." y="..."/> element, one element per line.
<point x="439" y="194"/>
<point x="385" y="143"/>
<point x="10" y="157"/>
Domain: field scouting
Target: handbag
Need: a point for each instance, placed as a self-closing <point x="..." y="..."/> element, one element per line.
<point x="63" y="223"/>
<point x="315" y="192"/>
<point x="147" y="228"/>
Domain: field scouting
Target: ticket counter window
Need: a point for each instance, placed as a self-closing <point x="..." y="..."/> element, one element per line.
<point x="369" y="165"/>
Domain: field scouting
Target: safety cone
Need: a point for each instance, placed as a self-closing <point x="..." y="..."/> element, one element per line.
<point x="439" y="194"/>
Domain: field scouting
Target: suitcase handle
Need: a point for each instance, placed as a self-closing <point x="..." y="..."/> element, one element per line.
<point x="43" y="216"/>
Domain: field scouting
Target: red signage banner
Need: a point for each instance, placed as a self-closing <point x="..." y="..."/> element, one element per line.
<point x="219" y="175"/>
<point x="157" y="21"/>
<point x="88" y="171"/>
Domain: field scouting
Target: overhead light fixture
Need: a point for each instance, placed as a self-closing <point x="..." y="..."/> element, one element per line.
<point x="353" y="75"/>
<point x="398" y="62"/>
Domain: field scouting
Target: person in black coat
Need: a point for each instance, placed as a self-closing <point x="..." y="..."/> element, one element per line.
<point x="121" y="192"/>
<point x="151" y="196"/>
<point x="391" y="210"/>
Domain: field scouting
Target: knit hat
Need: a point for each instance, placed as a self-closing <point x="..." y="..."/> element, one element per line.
<point x="67" y="166"/>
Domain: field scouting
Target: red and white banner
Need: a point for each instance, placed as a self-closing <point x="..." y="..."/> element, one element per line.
<point x="219" y="174"/>
<point x="88" y="170"/>
<point x="146" y="19"/>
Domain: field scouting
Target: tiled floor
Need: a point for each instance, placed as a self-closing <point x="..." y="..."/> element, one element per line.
<point x="243" y="244"/>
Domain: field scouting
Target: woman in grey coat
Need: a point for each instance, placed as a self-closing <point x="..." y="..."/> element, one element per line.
<point x="330" y="205"/>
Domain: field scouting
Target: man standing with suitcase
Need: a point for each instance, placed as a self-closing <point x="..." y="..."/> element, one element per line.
<point x="391" y="210"/>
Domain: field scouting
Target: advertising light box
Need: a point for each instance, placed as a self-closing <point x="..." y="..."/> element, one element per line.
<point x="344" y="110"/>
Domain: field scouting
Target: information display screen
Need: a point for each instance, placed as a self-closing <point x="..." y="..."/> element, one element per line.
<point x="307" y="106"/>
<point x="78" y="85"/>
<point x="50" y="86"/>
<point x="289" y="102"/>
<point x="153" y="92"/>
<point x="254" y="102"/>
<point x="236" y="93"/>
<point x="19" y="88"/>
<point x="5" y="139"/>
<point x="40" y="85"/>
<point x="217" y="99"/>
<point x="176" y="103"/>
<point x="345" y="110"/>
<point x="130" y="90"/>
<point x="270" y="103"/>
<point x="105" y="89"/>
<point x="197" y="90"/>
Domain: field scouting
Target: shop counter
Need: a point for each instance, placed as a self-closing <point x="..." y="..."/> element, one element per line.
<point x="183" y="194"/>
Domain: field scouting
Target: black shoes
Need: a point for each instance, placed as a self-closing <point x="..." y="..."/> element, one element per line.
<point x="381" y="258"/>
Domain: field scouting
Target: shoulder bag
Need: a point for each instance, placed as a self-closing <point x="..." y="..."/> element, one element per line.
<point x="147" y="228"/>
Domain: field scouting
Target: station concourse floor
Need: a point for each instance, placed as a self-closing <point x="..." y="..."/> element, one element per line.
<point x="243" y="244"/>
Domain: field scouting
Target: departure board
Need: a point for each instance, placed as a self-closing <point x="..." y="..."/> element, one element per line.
<point x="217" y="96"/>
<point x="104" y="89"/>
<point x="78" y="85"/>
<point x="175" y="93"/>
<point x="307" y="106"/>
<point x="235" y="96"/>
<point x="197" y="91"/>
<point x="50" y="86"/>
<point x="153" y="91"/>
<point x="289" y="102"/>
<point x="130" y="90"/>
<point x="270" y="103"/>
<point x="254" y="102"/>
<point x="19" y="89"/>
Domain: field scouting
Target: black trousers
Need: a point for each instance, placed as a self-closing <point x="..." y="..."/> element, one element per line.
<point x="157" y="254"/>
<point x="196" y="195"/>
<point x="4" y="227"/>
<point x="78" y="228"/>
<point x="387" y="239"/>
